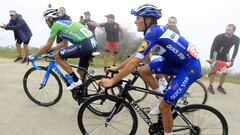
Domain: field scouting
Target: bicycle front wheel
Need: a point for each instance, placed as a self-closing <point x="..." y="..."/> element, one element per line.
<point x="205" y="120"/>
<point x="123" y="123"/>
<point x="42" y="95"/>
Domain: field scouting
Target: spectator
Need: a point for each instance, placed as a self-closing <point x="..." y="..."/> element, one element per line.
<point x="63" y="16"/>
<point x="85" y="20"/>
<point x="22" y="33"/>
<point x="112" y="30"/>
<point x="172" y="24"/>
<point x="220" y="51"/>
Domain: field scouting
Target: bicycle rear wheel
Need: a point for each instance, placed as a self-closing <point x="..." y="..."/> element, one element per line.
<point x="137" y="96"/>
<point x="93" y="89"/>
<point x="46" y="96"/>
<point x="123" y="122"/>
<point x="196" y="94"/>
<point x="205" y="120"/>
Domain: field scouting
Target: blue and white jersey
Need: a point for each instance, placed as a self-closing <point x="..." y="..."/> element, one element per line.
<point x="173" y="47"/>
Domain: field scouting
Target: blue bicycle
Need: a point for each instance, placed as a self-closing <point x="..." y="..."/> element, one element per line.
<point x="43" y="86"/>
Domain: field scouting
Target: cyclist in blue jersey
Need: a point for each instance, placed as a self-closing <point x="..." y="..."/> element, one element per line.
<point x="180" y="59"/>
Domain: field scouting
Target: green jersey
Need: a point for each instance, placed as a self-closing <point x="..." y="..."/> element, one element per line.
<point x="73" y="32"/>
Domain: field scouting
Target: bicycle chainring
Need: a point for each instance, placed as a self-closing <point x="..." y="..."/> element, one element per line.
<point x="156" y="129"/>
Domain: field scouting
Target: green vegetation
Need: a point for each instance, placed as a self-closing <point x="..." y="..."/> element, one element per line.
<point x="129" y="46"/>
<point x="11" y="53"/>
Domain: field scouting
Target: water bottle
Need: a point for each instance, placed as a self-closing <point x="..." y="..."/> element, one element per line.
<point x="68" y="79"/>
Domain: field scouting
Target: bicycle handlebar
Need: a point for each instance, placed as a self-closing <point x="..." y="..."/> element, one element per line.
<point x="49" y="55"/>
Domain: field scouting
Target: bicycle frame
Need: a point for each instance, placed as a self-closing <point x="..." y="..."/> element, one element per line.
<point x="53" y="66"/>
<point x="125" y="95"/>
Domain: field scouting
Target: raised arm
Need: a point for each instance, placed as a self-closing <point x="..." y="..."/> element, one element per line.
<point x="93" y="24"/>
<point x="19" y="24"/>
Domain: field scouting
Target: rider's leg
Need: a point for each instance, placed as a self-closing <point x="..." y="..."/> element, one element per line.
<point x="146" y="74"/>
<point x="65" y="66"/>
<point x="83" y="63"/>
<point x="167" y="118"/>
<point x="185" y="77"/>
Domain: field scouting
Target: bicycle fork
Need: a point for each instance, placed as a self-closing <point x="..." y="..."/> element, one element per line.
<point x="46" y="77"/>
<point x="190" y="125"/>
<point x="114" y="111"/>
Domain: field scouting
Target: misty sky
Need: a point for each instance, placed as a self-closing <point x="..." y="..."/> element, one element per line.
<point x="198" y="21"/>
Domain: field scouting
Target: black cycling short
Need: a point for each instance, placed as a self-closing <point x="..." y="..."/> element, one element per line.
<point x="83" y="51"/>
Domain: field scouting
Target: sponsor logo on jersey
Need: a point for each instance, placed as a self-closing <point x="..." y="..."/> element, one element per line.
<point x="72" y="34"/>
<point x="176" y="51"/>
<point x="143" y="46"/>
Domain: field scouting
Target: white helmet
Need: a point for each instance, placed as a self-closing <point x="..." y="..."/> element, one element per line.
<point x="51" y="13"/>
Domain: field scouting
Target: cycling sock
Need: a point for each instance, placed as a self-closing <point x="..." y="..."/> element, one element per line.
<point x="168" y="133"/>
<point x="159" y="89"/>
<point x="74" y="77"/>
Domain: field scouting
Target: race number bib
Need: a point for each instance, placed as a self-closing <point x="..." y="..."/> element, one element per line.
<point x="86" y="32"/>
<point x="192" y="50"/>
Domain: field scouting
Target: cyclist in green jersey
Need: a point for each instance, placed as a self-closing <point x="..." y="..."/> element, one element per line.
<point x="82" y="39"/>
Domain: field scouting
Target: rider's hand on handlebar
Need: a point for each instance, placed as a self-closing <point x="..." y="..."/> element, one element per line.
<point x="112" y="68"/>
<point x="106" y="82"/>
<point x="31" y="57"/>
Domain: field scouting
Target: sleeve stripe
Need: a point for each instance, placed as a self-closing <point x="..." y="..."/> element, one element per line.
<point x="139" y="55"/>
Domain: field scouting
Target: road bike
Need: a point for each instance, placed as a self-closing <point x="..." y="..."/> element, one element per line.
<point x="43" y="86"/>
<point x="193" y="119"/>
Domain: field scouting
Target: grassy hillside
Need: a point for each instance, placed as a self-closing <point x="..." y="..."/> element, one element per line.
<point x="11" y="53"/>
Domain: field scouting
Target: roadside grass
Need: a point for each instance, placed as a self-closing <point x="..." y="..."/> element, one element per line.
<point x="6" y="52"/>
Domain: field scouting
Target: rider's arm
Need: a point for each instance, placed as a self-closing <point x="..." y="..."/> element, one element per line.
<point x="48" y="45"/>
<point x="128" y="68"/>
<point x="45" y="48"/>
<point x="60" y="45"/>
<point x="122" y="65"/>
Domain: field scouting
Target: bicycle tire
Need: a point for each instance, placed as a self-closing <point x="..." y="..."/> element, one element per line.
<point x="30" y="95"/>
<point x="110" y="98"/>
<point x="97" y="89"/>
<point x="211" y="116"/>
<point x="196" y="94"/>
<point x="137" y="96"/>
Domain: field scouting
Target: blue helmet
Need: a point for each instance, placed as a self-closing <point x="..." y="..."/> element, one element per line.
<point x="147" y="10"/>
